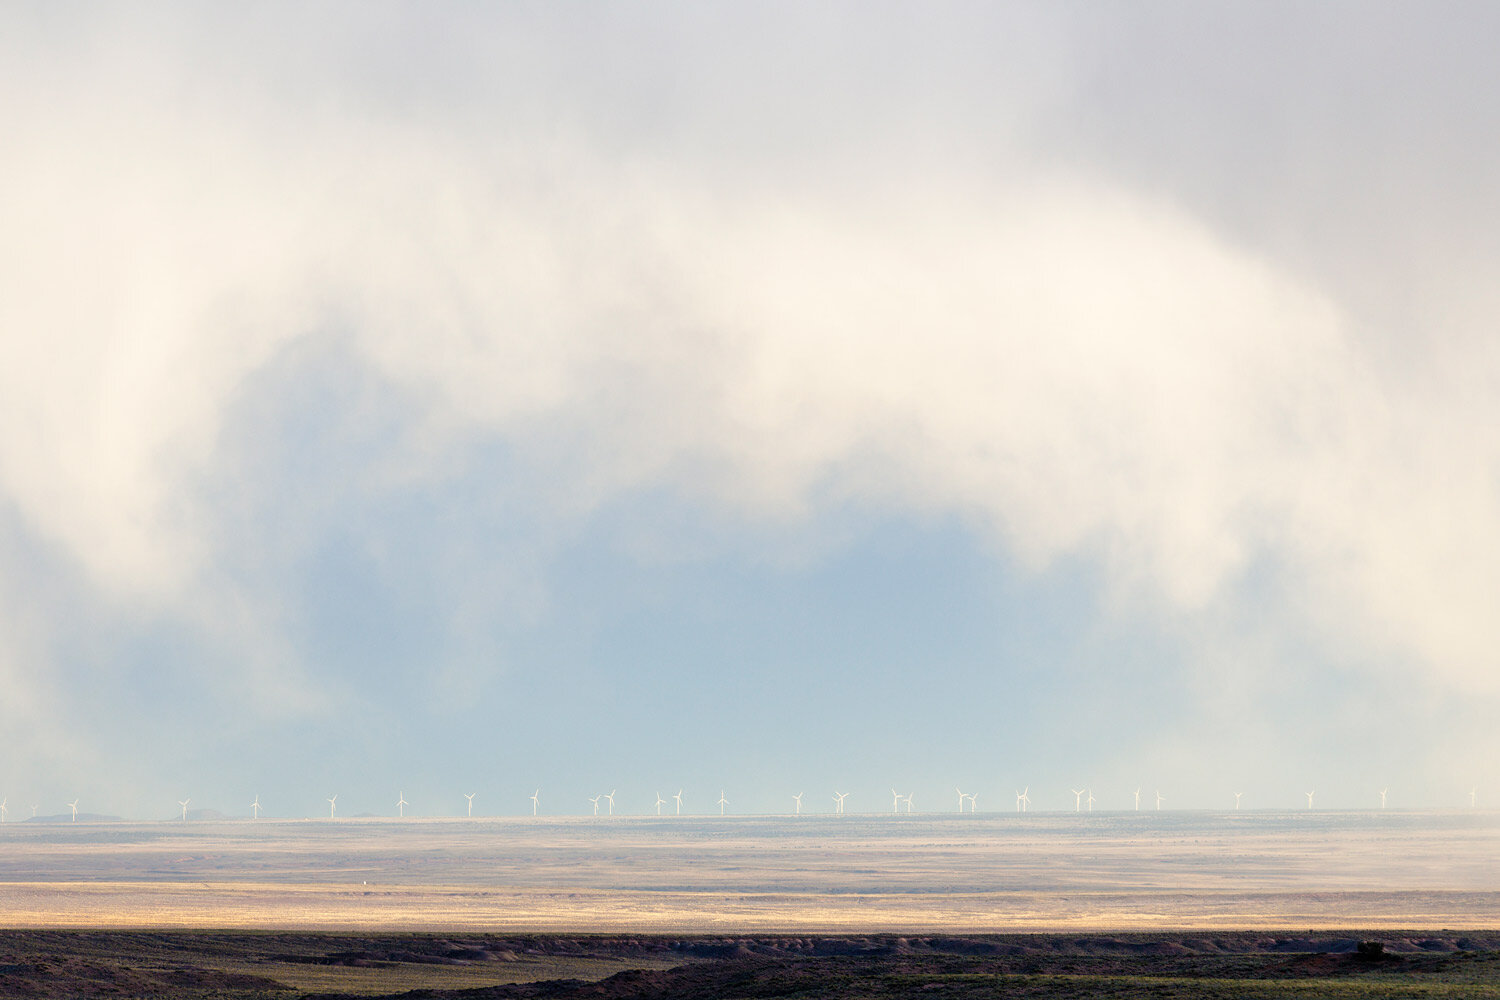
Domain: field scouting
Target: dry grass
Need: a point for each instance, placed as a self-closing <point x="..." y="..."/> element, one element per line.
<point x="408" y="976"/>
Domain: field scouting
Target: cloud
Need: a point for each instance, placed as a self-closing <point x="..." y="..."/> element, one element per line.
<point x="1079" y="368"/>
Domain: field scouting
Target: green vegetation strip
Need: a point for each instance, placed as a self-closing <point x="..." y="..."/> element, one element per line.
<point x="1109" y="986"/>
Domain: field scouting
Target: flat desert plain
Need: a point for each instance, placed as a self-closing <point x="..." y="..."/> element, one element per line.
<point x="670" y="875"/>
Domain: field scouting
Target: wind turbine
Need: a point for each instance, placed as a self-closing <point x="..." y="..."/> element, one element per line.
<point x="1091" y="800"/>
<point x="840" y="797"/>
<point x="1023" y="799"/>
<point x="961" y="797"/>
<point x="595" y="801"/>
<point x="2" y="809"/>
<point x="1137" y="799"/>
<point x="74" y="806"/>
<point x="895" y="801"/>
<point x="678" y="797"/>
<point x="533" y="800"/>
<point x="470" y="797"/>
<point x="1473" y="796"/>
<point x="908" y="802"/>
<point x="722" y="802"/>
<point x="1237" y="799"/>
<point x="184" y="803"/>
<point x="401" y="804"/>
<point x="974" y="802"/>
<point x="1382" y="797"/>
<point x="798" y="798"/>
<point x="33" y="811"/>
<point x="611" y="797"/>
<point x="1309" y="799"/>
<point x="1159" y="799"/>
<point x="333" y="805"/>
<point x="1077" y="798"/>
<point x="659" y="803"/>
<point x="255" y="807"/>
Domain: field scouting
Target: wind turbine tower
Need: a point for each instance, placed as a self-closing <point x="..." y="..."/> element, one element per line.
<point x="840" y="797"/>
<point x="1309" y="799"/>
<point x="961" y="797"/>
<point x="895" y="801"/>
<point x="1090" y="800"/>
<point x="184" y="803"/>
<point x="333" y="805"/>
<point x="2" y="809"/>
<point x="255" y="807"/>
<point x="534" y="796"/>
<point x="1473" y="797"/>
<point x="470" y="797"/>
<point x="595" y="801"/>
<point x="1237" y="799"/>
<point x="1159" y="799"/>
<point x="659" y="803"/>
<point x="401" y="804"/>
<point x="1137" y="799"/>
<point x="1382" y="797"/>
<point x="611" y="797"/>
<point x="1077" y="798"/>
<point x="722" y="802"/>
<point x="74" y="806"/>
<point x="1023" y="799"/>
<point x="798" y="799"/>
<point x="678" y="797"/>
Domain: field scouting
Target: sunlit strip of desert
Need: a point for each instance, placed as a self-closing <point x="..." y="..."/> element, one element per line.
<point x="763" y="874"/>
<point x="126" y="905"/>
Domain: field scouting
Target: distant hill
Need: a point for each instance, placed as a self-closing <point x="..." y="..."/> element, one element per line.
<point x="67" y="817"/>
<point x="201" y="816"/>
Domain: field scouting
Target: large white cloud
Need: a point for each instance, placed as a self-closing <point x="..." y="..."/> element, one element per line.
<point x="1077" y="367"/>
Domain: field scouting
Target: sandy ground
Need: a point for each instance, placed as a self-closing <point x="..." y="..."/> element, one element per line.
<point x="331" y="907"/>
<point x="764" y="874"/>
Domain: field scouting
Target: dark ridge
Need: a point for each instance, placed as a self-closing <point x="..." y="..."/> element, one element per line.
<point x="49" y="965"/>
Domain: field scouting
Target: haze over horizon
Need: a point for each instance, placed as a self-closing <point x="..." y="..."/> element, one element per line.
<point x="772" y="398"/>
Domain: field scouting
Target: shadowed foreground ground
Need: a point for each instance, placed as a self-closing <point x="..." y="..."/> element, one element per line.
<point x="236" y="966"/>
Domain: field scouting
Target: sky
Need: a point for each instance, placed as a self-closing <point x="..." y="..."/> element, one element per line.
<point x="768" y="398"/>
